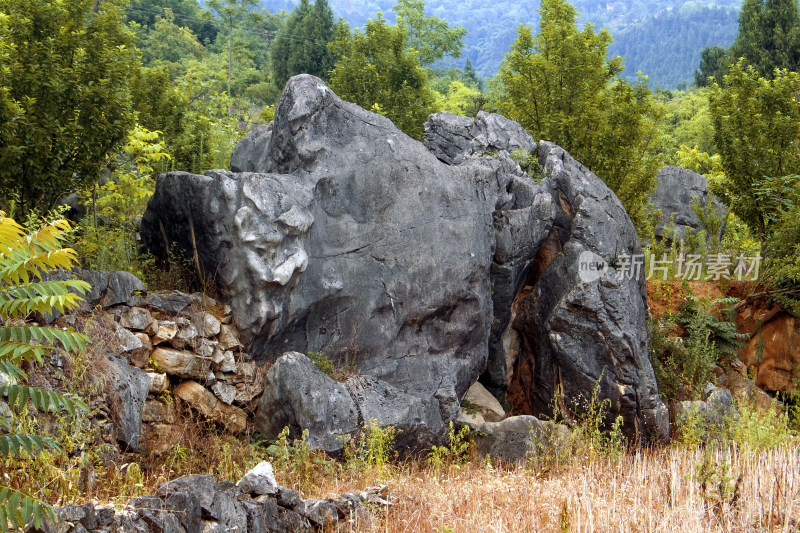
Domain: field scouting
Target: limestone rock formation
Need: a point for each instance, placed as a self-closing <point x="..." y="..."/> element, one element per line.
<point x="677" y="191"/>
<point x="423" y="268"/>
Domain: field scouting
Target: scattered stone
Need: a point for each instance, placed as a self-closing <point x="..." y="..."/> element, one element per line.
<point x="517" y="437"/>
<point x="141" y="356"/>
<point x="202" y="400"/>
<point x="487" y="405"/>
<point x="182" y="364"/>
<point x="207" y="324"/>
<point x="124" y="341"/>
<point x="298" y="395"/>
<point x="259" y="480"/>
<point x="128" y="391"/>
<point x="173" y="302"/>
<point x="165" y="331"/>
<point x="158" y="382"/>
<point x="228" y="338"/>
<point x="226" y="393"/>
<point x="155" y="411"/>
<point x="136" y="318"/>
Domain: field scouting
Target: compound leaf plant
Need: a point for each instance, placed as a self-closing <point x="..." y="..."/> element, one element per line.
<point x="25" y="291"/>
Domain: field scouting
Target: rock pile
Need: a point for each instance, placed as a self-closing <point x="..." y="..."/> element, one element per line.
<point x="199" y="504"/>
<point x="165" y="345"/>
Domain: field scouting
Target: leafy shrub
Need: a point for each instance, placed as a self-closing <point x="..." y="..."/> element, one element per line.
<point x="24" y="258"/>
<point x="455" y="453"/>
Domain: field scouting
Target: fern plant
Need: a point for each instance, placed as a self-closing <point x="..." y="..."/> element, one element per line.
<point x="24" y="291"/>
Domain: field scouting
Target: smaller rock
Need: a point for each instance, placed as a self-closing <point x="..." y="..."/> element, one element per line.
<point x="205" y="348"/>
<point x="165" y="331"/>
<point x="486" y="404"/>
<point x="141" y="356"/>
<point x="320" y="513"/>
<point x="124" y="341"/>
<point x="245" y="392"/>
<point x="186" y="334"/>
<point x="226" y="393"/>
<point x="203" y="299"/>
<point x="260" y="480"/>
<point x="182" y="363"/>
<point x="207" y="324"/>
<point x="173" y="302"/>
<point x="158" y="382"/>
<point x="228" y="363"/>
<point x="121" y="286"/>
<point x="228" y="338"/>
<point x="517" y="437"/>
<point x="155" y="411"/>
<point x="136" y="318"/>
<point x="201" y="399"/>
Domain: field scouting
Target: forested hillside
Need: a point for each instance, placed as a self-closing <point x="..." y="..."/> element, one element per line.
<point x="660" y="38"/>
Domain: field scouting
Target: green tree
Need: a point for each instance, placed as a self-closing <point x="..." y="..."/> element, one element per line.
<point x="769" y="36"/>
<point x="232" y="13"/>
<point x="714" y="61"/>
<point x="376" y="71"/>
<point x="756" y="129"/>
<point x="561" y="86"/>
<point x="172" y="45"/>
<point x="65" y="78"/>
<point x="431" y="37"/>
<point x="188" y="14"/>
<point x="301" y="46"/>
<point x="24" y="257"/>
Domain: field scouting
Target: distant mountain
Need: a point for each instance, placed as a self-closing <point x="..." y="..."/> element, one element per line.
<point x="660" y="38"/>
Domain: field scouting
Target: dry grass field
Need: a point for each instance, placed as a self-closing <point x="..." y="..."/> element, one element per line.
<point x="670" y="489"/>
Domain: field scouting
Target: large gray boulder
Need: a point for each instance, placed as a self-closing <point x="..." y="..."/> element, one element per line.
<point x="299" y="396"/>
<point x="678" y="190"/>
<point x="342" y="235"/>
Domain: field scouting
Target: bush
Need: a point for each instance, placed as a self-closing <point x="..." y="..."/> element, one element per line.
<point x="24" y="258"/>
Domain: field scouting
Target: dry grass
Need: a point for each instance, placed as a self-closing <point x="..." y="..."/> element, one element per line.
<point x="657" y="490"/>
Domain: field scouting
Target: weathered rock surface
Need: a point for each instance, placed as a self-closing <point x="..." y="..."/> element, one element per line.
<point x="128" y="391"/>
<point x="517" y="438"/>
<point x="202" y="400"/>
<point x="710" y="418"/>
<point x="677" y="191"/>
<point x="356" y="241"/>
<point x="298" y="395"/>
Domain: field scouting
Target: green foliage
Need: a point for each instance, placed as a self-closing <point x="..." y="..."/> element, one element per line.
<point x="24" y="258"/>
<point x="65" y="90"/>
<point x="374" y="449"/>
<point x="187" y="14"/>
<point x="712" y="337"/>
<point x="782" y="271"/>
<point x="561" y="86"/>
<point x="769" y="36"/>
<point x="375" y="66"/>
<point x="714" y="63"/>
<point x="431" y="37"/>
<point x="592" y="422"/>
<point x="686" y="122"/>
<point x="455" y="452"/>
<point x="756" y="128"/>
<point x="301" y="45"/>
<point x="231" y="13"/>
<point x="666" y="355"/>
<point x="172" y="45"/>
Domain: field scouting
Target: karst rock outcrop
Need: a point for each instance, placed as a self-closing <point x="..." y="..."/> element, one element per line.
<point x="423" y="266"/>
<point x="679" y="192"/>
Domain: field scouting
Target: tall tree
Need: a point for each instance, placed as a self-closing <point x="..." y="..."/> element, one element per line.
<point x="376" y="70"/>
<point x="431" y="37"/>
<point x="769" y="36"/>
<point x="66" y="79"/>
<point x="188" y="14"/>
<point x="561" y="86"/>
<point x="232" y="13"/>
<point x="756" y="129"/>
<point x="714" y="62"/>
<point x="301" y="46"/>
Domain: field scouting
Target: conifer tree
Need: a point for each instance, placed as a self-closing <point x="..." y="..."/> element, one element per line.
<point x="301" y="46"/>
<point x="769" y="36"/>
